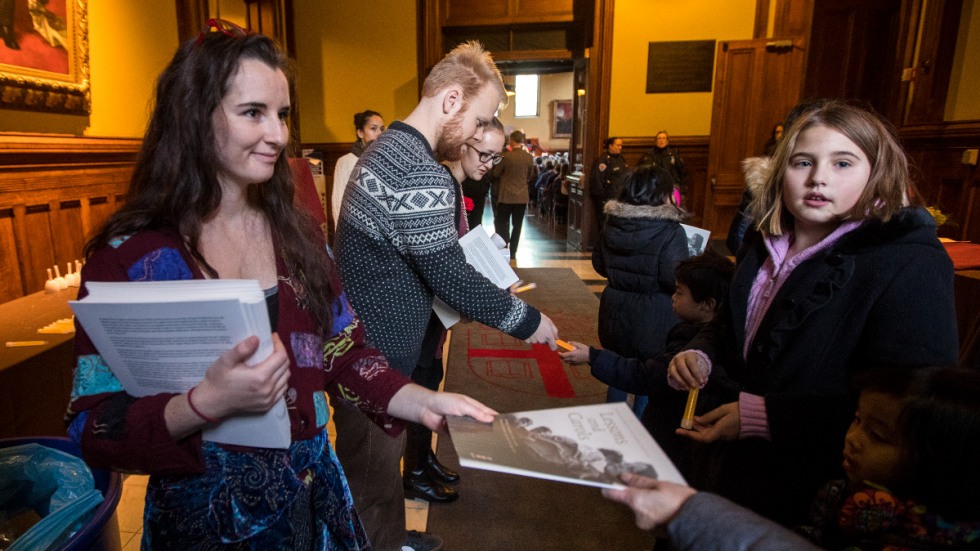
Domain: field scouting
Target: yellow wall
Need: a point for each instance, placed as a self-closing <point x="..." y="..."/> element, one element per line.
<point x="963" y="102"/>
<point x="551" y="87"/>
<point x="129" y="44"/>
<point x="361" y="56"/>
<point x="633" y="112"/>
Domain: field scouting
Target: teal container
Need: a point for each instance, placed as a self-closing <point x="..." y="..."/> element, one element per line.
<point x="101" y="532"/>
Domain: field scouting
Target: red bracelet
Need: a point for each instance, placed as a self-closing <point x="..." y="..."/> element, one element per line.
<point x="211" y="420"/>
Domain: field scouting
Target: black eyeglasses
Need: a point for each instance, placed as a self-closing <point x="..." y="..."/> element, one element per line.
<point x="226" y="28"/>
<point x="487" y="157"/>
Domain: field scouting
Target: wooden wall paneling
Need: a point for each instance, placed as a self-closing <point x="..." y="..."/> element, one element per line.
<point x="793" y="17"/>
<point x="544" y="10"/>
<point x="477" y="13"/>
<point x="54" y="191"/>
<point x="34" y="244"/>
<point x="473" y="12"/>
<point x="68" y="231"/>
<point x="11" y="284"/>
<point x="936" y="153"/>
<point x="853" y="54"/>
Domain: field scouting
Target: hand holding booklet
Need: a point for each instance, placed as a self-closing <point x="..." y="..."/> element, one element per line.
<point x="589" y="445"/>
<point x="162" y="336"/>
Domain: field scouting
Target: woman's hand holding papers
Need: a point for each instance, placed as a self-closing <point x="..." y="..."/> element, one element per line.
<point x="231" y="387"/>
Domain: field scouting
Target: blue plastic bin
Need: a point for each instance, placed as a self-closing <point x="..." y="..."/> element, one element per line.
<point x="101" y="532"/>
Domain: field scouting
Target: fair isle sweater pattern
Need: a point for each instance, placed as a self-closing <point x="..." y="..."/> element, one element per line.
<point x="397" y="247"/>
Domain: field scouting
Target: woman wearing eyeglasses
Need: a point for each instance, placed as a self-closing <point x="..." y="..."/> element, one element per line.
<point x="368" y="125"/>
<point x="474" y="171"/>
<point x="212" y="197"/>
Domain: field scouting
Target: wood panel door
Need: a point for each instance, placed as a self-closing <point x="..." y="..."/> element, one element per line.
<point x="756" y="83"/>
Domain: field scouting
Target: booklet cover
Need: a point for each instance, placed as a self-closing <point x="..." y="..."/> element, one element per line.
<point x="588" y="445"/>
<point x="162" y="336"/>
<point x="697" y="239"/>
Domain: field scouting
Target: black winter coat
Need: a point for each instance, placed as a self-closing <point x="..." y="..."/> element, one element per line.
<point x="881" y="295"/>
<point x="638" y="251"/>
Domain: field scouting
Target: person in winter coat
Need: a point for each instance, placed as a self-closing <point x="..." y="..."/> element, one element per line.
<point x="839" y="272"/>
<point x="638" y="251"/>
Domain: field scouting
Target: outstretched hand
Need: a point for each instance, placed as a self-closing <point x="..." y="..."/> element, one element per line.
<point x="722" y="423"/>
<point x="420" y="405"/>
<point x="546" y="333"/>
<point x="441" y="404"/>
<point x="654" y="502"/>
<point x="580" y="355"/>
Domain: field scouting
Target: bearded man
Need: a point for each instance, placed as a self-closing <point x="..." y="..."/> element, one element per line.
<point x="397" y="247"/>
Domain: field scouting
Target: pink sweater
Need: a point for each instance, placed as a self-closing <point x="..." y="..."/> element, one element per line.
<point x="774" y="272"/>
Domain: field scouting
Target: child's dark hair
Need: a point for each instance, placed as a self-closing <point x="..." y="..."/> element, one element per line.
<point x="647" y="185"/>
<point x="940" y="428"/>
<point x="707" y="276"/>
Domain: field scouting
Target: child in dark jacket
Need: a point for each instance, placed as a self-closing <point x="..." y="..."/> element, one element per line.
<point x="912" y="460"/>
<point x="701" y="282"/>
<point x="638" y="251"/>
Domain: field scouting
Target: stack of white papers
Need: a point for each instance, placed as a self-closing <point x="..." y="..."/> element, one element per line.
<point x="162" y="336"/>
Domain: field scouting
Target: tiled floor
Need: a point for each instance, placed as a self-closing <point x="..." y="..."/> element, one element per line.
<point x="542" y="245"/>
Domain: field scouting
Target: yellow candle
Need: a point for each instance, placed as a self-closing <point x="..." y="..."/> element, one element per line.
<point x="17" y="344"/>
<point x="687" y="422"/>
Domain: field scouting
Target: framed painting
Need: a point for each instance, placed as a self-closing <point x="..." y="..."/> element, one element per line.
<point x="563" y="119"/>
<point x="44" y="56"/>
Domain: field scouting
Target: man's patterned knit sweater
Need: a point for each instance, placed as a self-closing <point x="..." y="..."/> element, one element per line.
<point x="397" y="245"/>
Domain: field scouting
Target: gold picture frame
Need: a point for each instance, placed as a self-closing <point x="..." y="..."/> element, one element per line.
<point x="44" y="63"/>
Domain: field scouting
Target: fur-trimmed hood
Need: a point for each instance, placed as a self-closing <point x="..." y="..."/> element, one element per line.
<point x="757" y="170"/>
<point x="659" y="212"/>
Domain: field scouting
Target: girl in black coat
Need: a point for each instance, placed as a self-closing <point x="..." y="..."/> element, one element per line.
<point x="638" y="251"/>
<point x="839" y="273"/>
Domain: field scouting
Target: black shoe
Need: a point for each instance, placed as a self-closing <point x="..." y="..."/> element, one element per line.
<point x="420" y="541"/>
<point x="421" y="486"/>
<point x="439" y="472"/>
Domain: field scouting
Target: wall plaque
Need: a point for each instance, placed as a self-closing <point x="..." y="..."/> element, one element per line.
<point x="683" y="66"/>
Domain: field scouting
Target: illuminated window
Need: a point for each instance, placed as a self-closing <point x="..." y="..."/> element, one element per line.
<point x="526" y="99"/>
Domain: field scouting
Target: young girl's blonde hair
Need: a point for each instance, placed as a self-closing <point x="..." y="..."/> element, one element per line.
<point x="889" y="187"/>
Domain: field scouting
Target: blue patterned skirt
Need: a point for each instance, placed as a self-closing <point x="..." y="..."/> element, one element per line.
<point x="256" y="499"/>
